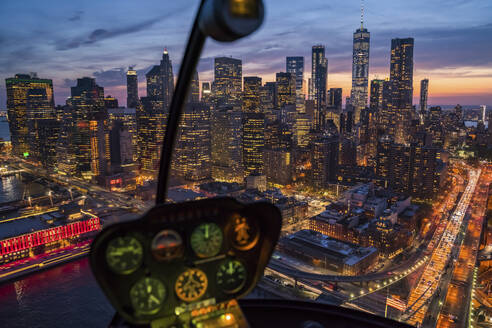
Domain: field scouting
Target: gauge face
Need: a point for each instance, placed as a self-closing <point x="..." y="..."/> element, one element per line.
<point x="147" y="295"/>
<point x="231" y="276"/>
<point x="244" y="233"/>
<point x="124" y="254"/>
<point x="206" y="240"/>
<point x="167" y="245"/>
<point x="191" y="285"/>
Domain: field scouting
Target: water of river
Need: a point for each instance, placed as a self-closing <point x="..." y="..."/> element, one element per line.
<point x="65" y="295"/>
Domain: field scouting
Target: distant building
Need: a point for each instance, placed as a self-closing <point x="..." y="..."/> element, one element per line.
<point x="206" y="92"/>
<point x="322" y="251"/>
<point x="278" y="166"/>
<point x="251" y="94"/>
<point x="90" y="119"/>
<point x="376" y="101"/>
<point x="286" y="89"/>
<point x="191" y="160"/>
<point x="324" y="161"/>
<point x="412" y="169"/>
<point x="28" y="98"/>
<point x="335" y="98"/>
<point x="110" y="102"/>
<point x="226" y="144"/>
<point x="360" y="70"/>
<point x="253" y="142"/>
<point x="401" y="78"/>
<point x="424" y="92"/>
<point x="295" y="65"/>
<point x="319" y="78"/>
<point x="227" y="84"/>
<point x="131" y="88"/>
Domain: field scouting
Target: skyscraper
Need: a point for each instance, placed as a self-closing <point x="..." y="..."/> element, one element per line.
<point x="335" y="98"/>
<point x="286" y="89"/>
<point x="360" y="69"/>
<point x="27" y="97"/>
<point x="191" y="159"/>
<point x="401" y="78"/>
<point x="206" y="92"/>
<point x="167" y="77"/>
<point x="131" y="88"/>
<point x="227" y="84"/>
<point x="87" y="104"/>
<point x="319" y="76"/>
<point x="376" y="100"/>
<point x="324" y="160"/>
<point x="253" y="142"/>
<point x="226" y="144"/>
<point x="160" y="81"/>
<point x="424" y="90"/>
<point x="251" y="94"/>
<point x="194" y="92"/>
<point x="295" y="65"/>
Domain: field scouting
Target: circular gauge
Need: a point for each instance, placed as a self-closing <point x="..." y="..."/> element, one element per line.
<point x="244" y="233"/>
<point x="167" y="245"/>
<point x="124" y="254"/>
<point x="147" y="295"/>
<point x="191" y="285"/>
<point x="206" y="240"/>
<point x="231" y="276"/>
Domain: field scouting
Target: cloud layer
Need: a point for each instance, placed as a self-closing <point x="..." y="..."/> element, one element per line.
<point x="67" y="40"/>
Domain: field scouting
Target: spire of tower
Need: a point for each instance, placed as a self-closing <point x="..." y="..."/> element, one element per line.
<point x="361" y="14"/>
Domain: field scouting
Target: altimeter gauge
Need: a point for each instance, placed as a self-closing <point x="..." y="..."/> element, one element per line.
<point x="124" y="254"/>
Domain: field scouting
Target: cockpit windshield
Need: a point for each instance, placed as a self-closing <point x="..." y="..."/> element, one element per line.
<point x="337" y="153"/>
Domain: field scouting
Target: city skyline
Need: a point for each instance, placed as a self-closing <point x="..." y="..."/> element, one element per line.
<point x="91" y="46"/>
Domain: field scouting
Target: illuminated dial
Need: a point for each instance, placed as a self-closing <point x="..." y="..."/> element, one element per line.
<point x="191" y="285"/>
<point x="124" y="254"/>
<point x="147" y="295"/>
<point x="244" y="233"/>
<point x="231" y="276"/>
<point x="206" y="240"/>
<point x="167" y="245"/>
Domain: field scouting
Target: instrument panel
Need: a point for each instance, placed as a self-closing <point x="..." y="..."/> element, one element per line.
<point x="178" y="257"/>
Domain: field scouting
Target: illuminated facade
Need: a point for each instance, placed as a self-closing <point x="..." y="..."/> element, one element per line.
<point x="227" y="84"/>
<point x="87" y="104"/>
<point x="251" y="94"/>
<point x="295" y="65"/>
<point x="253" y="142"/>
<point x="206" y="92"/>
<point x="226" y="144"/>
<point x="278" y="166"/>
<point x="360" y="71"/>
<point x="191" y="160"/>
<point x="424" y="92"/>
<point x="319" y="78"/>
<point x="401" y="79"/>
<point x="409" y="169"/>
<point x="253" y="126"/>
<point x="151" y="117"/>
<point x="286" y="89"/>
<point x="22" y="246"/>
<point x="100" y="146"/>
<point x="324" y="160"/>
<point x="160" y="81"/>
<point x="28" y="97"/>
<point x="376" y="100"/>
<point x="131" y="88"/>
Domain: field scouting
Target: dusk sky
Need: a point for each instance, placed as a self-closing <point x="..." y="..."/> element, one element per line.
<point x="64" y="40"/>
